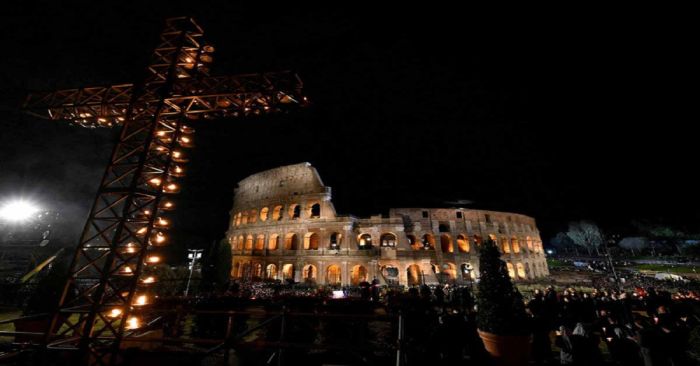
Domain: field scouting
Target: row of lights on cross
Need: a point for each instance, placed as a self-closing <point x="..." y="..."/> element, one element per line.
<point x="166" y="183"/>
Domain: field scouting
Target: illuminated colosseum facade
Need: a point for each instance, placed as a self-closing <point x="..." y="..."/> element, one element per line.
<point x="284" y="226"/>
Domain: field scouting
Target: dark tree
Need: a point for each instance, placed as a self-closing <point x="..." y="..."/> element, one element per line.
<point x="501" y="309"/>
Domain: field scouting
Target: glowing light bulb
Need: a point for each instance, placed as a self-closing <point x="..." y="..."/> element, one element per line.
<point x="115" y="313"/>
<point x="153" y="259"/>
<point x="155" y="181"/>
<point x="126" y="270"/>
<point x="142" y="231"/>
<point x="162" y="222"/>
<point x="149" y="279"/>
<point x="133" y="323"/>
<point x="141" y="300"/>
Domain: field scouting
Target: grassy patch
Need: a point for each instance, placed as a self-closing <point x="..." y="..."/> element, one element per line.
<point x="556" y="263"/>
<point x="664" y="268"/>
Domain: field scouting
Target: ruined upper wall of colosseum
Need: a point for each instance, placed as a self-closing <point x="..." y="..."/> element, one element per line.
<point x="278" y="184"/>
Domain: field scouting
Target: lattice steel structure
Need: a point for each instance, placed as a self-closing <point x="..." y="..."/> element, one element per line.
<point x="107" y="294"/>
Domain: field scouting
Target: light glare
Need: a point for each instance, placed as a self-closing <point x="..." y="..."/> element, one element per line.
<point x="18" y="211"/>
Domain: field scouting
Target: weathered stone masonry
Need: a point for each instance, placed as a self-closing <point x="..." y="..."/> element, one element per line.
<point x="284" y="226"/>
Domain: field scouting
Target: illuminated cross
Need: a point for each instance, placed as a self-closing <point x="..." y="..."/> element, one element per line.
<point x="112" y="269"/>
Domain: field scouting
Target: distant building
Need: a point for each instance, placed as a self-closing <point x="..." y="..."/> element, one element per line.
<point x="284" y="226"/>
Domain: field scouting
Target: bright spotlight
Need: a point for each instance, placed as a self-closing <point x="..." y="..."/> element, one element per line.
<point x="18" y="211"/>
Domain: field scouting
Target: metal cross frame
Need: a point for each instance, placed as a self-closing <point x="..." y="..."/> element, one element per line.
<point x="109" y="288"/>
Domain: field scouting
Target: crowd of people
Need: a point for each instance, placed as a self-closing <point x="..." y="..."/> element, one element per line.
<point x="645" y="327"/>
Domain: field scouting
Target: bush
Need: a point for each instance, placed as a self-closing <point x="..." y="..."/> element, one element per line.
<point x="500" y="307"/>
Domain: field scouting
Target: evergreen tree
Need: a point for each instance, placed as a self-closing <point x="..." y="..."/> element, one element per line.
<point x="500" y="307"/>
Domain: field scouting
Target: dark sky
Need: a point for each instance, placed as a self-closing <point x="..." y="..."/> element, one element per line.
<point x="581" y="116"/>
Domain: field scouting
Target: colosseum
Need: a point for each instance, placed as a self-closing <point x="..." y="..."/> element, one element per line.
<point x="285" y="227"/>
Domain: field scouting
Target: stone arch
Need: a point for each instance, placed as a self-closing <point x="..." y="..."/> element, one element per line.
<point x="520" y="270"/>
<point x="294" y="211"/>
<point x="264" y="213"/>
<point x="494" y="239"/>
<point x="238" y="218"/>
<point x="428" y="241"/>
<point x="333" y="276"/>
<point x="511" y="270"/>
<point x="528" y="271"/>
<point x="235" y="270"/>
<point x="277" y="213"/>
<point x="314" y="210"/>
<point x="311" y="241"/>
<point x="260" y="242"/>
<point x="291" y="241"/>
<point x="387" y="240"/>
<point x="249" y="242"/>
<point x="309" y="273"/>
<point x="412" y="242"/>
<point x="334" y="240"/>
<point x="253" y="217"/>
<point x="240" y="242"/>
<point x="449" y="271"/>
<point x="446" y="244"/>
<point x="257" y="271"/>
<point x="274" y="242"/>
<point x="244" y="218"/>
<point x="358" y="274"/>
<point x="462" y="243"/>
<point x="288" y="271"/>
<point x="245" y="270"/>
<point x="364" y="241"/>
<point x="478" y="240"/>
<point x="468" y="271"/>
<point x="505" y="245"/>
<point x="414" y="275"/>
<point x="528" y="240"/>
<point x="271" y="272"/>
<point x="515" y="245"/>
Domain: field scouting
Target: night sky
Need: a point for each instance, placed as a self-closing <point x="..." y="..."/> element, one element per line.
<point x="582" y="117"/>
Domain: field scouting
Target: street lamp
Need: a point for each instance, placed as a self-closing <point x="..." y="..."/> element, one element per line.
<point x="18" y="210"/>
<point x="193" y="255"/>
<point x="468" y="270"/>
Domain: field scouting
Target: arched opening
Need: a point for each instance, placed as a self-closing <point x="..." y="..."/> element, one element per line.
<point x="334" y="242"/>
<point x="245" y="270"/>
<point x="238" y="218"/>
<point x="390" y="274"/>
<point x="358" y="274"/>
<point x="288" y="271"/>
<point x="236" y="270"/>
<point x="414" y="276"/>
<point x="364" y="241"/>
<point x="253" y="216"/>
<point x="309" y="273"/>
<point x="494" y="239"/>
<point x="274" y="242"/>
<point x="271" y="272"/>
<point x="467" y="271"/>
<point x="260" y="242"/>
<point x="244" y="218"/>
<point x="528" y="240"/>
<point x="446" y="244"/>
<point x="449" y="271"/>
<point x="505" y="245"/>
<point x="462" y="244"/>
<point x="315" y="211"/>
<point x="239" y="242"/>
<point x="415" y="245"/>
<point x="511" y="271"/>
<point x="277" y="213"/>
<point x="515" y="245"/>
<point x="428" y="241"/>
<point x="311" y="241"/>
<point x="263" y="213"/>
<point x="291" y="242"/>
<point x="478" y="240"/>
<point x="257" y="271"/>
<point x="294" y="211"/>
<point x="232" y="241"/>
<point x="387" y="240"/>
<point x="249" y="242"/>
<point x="521" y="270"/>
<point x="333" y="275"/>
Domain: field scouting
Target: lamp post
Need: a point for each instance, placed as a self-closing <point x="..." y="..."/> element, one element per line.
<point x="193" y="254"/>
<point x="468" y="270"/>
